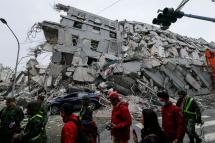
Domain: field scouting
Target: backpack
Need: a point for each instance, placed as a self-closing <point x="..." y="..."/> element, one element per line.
<point x="90" y="127"/>
<point x="82" y="136"/>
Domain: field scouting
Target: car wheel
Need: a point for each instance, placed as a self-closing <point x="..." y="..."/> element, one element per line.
<point x="54" y="110"/>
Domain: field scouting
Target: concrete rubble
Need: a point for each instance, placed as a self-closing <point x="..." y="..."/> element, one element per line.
<point x="136" y="59"/>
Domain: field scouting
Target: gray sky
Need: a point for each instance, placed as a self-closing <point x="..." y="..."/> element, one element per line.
<point x="22" y="14"/>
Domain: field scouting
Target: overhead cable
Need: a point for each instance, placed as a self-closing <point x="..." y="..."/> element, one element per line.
<point x="182" y="4"/>
<point x="108" y="6"/>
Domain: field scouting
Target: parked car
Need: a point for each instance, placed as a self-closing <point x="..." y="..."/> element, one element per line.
<point x="75" y="100"/>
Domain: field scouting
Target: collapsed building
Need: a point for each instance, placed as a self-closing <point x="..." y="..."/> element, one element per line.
<point x="134" y="58"/>
<point x="5" y="73"/>
<point x="128" y="55"/>
<point x="5" y="77"/>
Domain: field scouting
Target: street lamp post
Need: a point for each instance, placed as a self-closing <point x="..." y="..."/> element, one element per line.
<point x="17" y="58"/>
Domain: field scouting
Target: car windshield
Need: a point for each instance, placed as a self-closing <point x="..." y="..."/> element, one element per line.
<point x="71" y="95"/>
<point x="80" y="95"/>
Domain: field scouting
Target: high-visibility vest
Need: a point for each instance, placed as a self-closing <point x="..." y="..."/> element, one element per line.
<point x="187" y="106"/>
<point x="40" y="116"/>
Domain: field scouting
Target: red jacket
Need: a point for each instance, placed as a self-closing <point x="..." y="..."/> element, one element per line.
<point x="69" y="132"/>
<point x="122" y="119"/>
<point x="173" y="122"/>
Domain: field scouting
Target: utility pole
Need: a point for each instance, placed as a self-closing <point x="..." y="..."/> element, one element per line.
<point x="17" y="57"/>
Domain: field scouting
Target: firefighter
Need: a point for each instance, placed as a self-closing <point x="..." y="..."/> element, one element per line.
<point x="120" y="119"/>
<point x="34" y="132"/>
<point x="210" y="59"/>
<point x="172" y="119"/>
<point x="10" y="117"/>
<point x="192" y="115"/>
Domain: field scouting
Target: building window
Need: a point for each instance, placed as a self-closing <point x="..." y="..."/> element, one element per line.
<point x="74" y="40"/>
<point x="51" y="35"/>
<point x="112" y="35"/>
<point x="96" y="29"/>
<point x="78" y="25"/>
<point x="94" y="45"/>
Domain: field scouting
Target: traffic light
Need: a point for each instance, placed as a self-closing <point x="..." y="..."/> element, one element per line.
<point x="168" y="16"/>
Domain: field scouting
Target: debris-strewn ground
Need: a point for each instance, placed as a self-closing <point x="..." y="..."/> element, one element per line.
<point x="134" y="58"/>
<point x="102" y="116"/>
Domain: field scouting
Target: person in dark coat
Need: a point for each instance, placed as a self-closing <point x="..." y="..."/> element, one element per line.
<point x="34" y="131"/>
<point x="86" y="119"/>
<point x="192" y="115"/>
<point x="10" y="118"/>
<point x="173" y="122"/>
<point x="86" y="112"/>
<point x="120" y="119"/>
<point x="152" y="132"/>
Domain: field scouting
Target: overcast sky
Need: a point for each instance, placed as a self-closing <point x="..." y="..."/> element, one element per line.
<point x="22" y="14"/>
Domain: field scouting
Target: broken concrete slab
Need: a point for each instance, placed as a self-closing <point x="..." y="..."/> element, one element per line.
<point x="82" y="74"/>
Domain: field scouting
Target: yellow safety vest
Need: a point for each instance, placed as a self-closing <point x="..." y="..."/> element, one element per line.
<point x="187" y="106"/>
<point x="40" y="116"/>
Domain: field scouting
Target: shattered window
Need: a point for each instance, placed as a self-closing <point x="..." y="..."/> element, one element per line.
<point x="51" y="34"/>
<point x="75" y="40"/>
<point x="78" y="25"/>
<point x="94" y="45"/>
<point x="112" y="35"/>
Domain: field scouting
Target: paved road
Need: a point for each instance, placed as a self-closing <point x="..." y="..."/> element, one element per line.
<point x="55" y="125"/>
<point x="209" y="129"/>
<point x="209" y="125"/>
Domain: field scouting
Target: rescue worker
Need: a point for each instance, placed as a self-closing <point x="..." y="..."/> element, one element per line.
<point x="172" y="119"/>
<point x="10" y="117"/>
<point x="69" y="133"/>
<point x="120" y="119"/>
<point x="86" y="118"/>
<point x="210" y="59"/>
<point x="34" y="132"/>
<point x="43" y="108"/>
<point x="192" y="115"/>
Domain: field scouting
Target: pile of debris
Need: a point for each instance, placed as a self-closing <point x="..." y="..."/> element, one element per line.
<point x="6" y="75"/>
<point x="132" y="57"/>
